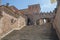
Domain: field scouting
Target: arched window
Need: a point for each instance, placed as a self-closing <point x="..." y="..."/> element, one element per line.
<point x="41" y="21"/>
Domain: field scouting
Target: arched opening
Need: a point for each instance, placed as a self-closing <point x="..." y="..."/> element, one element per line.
<point x="29" y="21"/>
<point x="42" y="21"/>
<point x="45" y="20"/>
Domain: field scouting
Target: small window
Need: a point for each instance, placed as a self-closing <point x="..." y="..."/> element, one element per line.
<point x="13" y="21"/>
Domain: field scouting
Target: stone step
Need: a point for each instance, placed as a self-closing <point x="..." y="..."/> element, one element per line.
<point x="43" y="32"/>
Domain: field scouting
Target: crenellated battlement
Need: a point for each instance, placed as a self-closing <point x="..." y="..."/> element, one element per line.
<point x="46" y="12"/>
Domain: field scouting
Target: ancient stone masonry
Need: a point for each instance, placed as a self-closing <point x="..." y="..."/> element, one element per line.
<point x="27" y="19"/>
<point x="11" y="21"/>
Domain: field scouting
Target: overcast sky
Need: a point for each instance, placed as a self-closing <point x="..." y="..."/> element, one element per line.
<point x="46" y="5"/>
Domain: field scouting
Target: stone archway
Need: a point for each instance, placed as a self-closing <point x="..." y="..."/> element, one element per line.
<point x="30" y="21"/>
<point x="42" y="21"/>
<point x="39" y="21"/>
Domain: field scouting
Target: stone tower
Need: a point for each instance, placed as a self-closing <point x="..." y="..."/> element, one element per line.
<point x="34" y="8"/>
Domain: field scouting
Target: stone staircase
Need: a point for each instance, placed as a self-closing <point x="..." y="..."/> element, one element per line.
<point x="43" y="32"/>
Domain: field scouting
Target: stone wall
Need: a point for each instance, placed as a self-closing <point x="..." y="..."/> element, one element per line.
<point x="56" y="23"/>
<point x="9" y="23"/>
<point x="5" y="23"/>
<point x="20" y="23"/>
